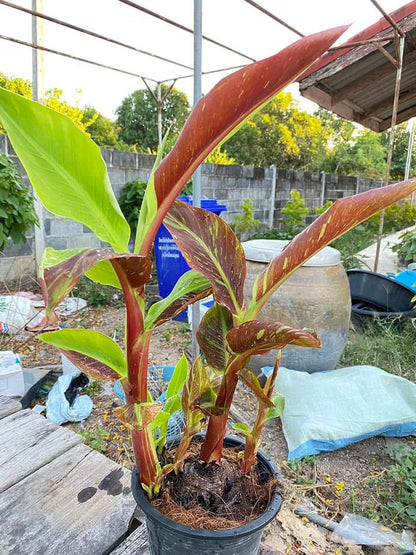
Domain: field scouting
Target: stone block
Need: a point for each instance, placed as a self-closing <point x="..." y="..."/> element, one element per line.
<point x="248" y="172"/>
<point x="22" y="249"/>
<point x="228" y="171"/>
<point x="57" y="242"/>
<point x="117" y="176"/>
<point x="107" y="155"/>
<point x="125" y="159"/>
<point x="88" y="240"/>
<point x="65" y="227"/>
<point x="145" y="161"/>
<point x="16" y="268"/>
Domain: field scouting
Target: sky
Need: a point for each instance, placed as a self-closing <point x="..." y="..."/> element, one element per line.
<point x="234" y="23"/>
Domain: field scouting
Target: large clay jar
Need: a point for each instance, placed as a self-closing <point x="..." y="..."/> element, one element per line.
<point x="316" y="296"/>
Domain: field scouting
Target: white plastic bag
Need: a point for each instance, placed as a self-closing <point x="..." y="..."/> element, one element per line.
<point x="15" y="312"/>
<point x="57" y="407"/>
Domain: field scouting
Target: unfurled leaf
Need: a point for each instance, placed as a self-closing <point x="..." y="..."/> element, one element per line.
<point x="220" y="113"/>
<point x="178" y="378"/>
<point x="210" y="246"/>
<point x="211" y="333"/>
<point x="279" y="406"/>
<point x="342" y="216"/>
<point x="251" y="381"/>
<point x="58" y="280"/>
<point x="60" y="271"/>
<point x="104" y="273"/>
<point x="258" y="338"/>
<point x="65" y="167"/>
<point x="190" y="288"/>
<point x="94" y="353"/>
<point x="242" y="428"/>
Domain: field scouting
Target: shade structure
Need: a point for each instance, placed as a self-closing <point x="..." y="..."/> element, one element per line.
<point x="358" y="83"/>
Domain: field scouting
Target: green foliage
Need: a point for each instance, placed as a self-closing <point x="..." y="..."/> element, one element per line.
<point x="352" y="243"/>
<point x="400" y="149"/>
<point x="352" y="152"/>
<point x="93" y="388"/>
<point x="137" y="117"/>
<point x="382" y="344"/>
<point x="95" y="438"/>
<point x="294" y="214"/>
<point x="17" y="214"/>
<point x="96" y="294"/>
<point x="245" y="223"/>
<point x="293" y="221"/>
<point x="230" y="333"/>
<point x="130" y="200"/>
<point x="391" y="496"/>
<point x="219" y="156"/>
<point x="103" y="131"/>
<point x="406" y="248"/>
<point x="280" y="134"/>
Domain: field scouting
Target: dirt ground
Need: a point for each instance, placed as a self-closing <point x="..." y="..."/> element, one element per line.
<point x="327" y="481"/>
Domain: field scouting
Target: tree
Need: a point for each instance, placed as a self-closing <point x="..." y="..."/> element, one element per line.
<point x="353" y="151"/>
<point x="280" y="134"/>
<point x="103" y="131"/>
<point x="137" y="117"/>
<point x="400" y="148"/>
<point x="52" y="99"/>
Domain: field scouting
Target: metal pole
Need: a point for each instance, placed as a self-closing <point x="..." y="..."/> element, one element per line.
<point x="196" y="313"/>
<point x="409" y="148"/>
<point x="323" y="187"/>
<point x="391" y="145"/>
<point x="37" y="93"/>
<point x="273" y="196"/>
<point x="159" y="114"/>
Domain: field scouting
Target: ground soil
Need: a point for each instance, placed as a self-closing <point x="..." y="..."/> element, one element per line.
<point x="327" y="481"/>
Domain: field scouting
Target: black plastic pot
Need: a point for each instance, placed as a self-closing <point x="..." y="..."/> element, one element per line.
<point x="167" y="537"/>
<point x="375" y="295"/>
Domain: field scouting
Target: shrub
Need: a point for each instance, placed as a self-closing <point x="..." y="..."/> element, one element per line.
<point x="406" y="248"/>
<point x="130" y="200"/>
<point x="17" y="214"/>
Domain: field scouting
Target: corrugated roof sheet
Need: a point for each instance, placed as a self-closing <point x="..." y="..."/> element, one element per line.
<point x="358" y="83"/>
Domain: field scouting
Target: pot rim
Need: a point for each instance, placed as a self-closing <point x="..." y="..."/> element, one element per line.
<point x="239" y="531"/>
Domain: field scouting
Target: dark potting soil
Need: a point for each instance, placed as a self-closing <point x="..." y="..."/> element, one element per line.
<point x="212" y="496"/>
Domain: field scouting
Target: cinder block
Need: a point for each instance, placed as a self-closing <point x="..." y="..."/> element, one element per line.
<point x="65" y="227"/>
<point x="57" y="242"/>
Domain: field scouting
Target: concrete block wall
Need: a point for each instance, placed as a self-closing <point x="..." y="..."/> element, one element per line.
<point x="231" y="185"/>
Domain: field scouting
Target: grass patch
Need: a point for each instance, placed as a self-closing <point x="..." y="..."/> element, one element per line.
<point x="96" y="438"/>
<point x="384" y="345"/>
<point x="390" y="497"/>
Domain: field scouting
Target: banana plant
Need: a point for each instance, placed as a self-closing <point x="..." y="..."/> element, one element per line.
<point x="67" y="171"/>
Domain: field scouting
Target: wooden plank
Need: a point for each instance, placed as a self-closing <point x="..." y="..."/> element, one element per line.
<point x="80" y="503"/>
<point x="8" y="406"/>
<point x="136" y="543"/>
<point x="29" y="441"/>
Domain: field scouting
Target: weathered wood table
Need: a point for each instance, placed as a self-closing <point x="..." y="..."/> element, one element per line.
<point x="58" y="496"/>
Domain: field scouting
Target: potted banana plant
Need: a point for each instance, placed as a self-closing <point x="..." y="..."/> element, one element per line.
<point x="66" y="169"/>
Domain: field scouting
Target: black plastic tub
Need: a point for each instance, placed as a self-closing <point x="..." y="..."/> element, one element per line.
<point x="167" y="537"/>
<point x="375" y="296"/>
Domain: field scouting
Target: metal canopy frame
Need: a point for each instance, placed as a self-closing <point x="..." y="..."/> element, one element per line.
<point x="397" y="58"/>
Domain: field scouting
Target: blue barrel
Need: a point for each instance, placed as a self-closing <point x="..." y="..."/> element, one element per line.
<point x="170" y="264"/>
